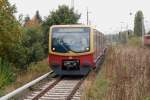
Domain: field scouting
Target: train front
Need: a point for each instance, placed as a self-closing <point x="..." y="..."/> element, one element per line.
<point x="70" y="50"/>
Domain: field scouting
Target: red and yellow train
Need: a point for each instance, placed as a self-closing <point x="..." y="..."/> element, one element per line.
<point x="74" y="49"/>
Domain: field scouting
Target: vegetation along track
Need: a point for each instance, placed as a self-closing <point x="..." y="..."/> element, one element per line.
<point x="62" y="88"/>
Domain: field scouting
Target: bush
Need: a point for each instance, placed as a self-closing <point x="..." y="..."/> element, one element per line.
<point x="28" y="50"/>
<point x="37" y="52"/>
<point x="32" y="42"/>
<point x="135" y="41"/>
<point x="6" y="74"/>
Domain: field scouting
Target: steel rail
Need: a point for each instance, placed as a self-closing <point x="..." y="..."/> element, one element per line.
<point x="47" y="89"/>
<point x="69" y="97"/>
<point x="21" y="89"/>
<point x="61" y="88"/>
<point x="54" y="91"/>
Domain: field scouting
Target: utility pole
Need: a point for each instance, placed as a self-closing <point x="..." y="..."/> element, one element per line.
<point x="87" y="14"/>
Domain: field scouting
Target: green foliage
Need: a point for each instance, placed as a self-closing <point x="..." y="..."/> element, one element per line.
<point x="147" y="98"/>
<point x="98" y="89"/>
<point x="22" y="46"/>
<point x="19" y="56"/>
<point x="135" y="41"/>
<point x="139" y="24"/>
<point x="26" y="19"/>
<point x="37" y="15"/>
<point x="38" y="52"/>
<point x="6" y="74"/>
<point x="36" y="21"/>
<point x="19" y="46"/>
<point x="32" y="41"/>
<point x="9" y="29"/>
<point x="63" y="15"/>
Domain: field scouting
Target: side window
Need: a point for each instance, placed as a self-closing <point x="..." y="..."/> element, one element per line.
<point x="94" y="39"/>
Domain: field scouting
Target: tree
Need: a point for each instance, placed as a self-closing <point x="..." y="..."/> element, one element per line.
<point x="63" y="15"/>
<point x="34" y="22"/>
<point x="139" y="24"/>
<point x="26" y="21"/>
<point x="38" y="17"/>
<point x="29" y="49"/>
<point x="6" y="74"/>
<point x="10" y="29"/>
<point x="33" y="40"/>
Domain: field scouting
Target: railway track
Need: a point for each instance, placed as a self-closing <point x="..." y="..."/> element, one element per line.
<point x="59" y="88"/>
<point x="62" y="88"/>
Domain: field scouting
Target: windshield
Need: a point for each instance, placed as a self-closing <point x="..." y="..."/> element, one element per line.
<point x="66" y="40"/>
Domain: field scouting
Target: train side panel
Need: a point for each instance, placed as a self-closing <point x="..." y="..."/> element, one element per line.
<point x="147" y="40"/>
<point x="99" y="47"/>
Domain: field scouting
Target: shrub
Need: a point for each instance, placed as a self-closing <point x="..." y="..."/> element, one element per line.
<point x="135" y="41"/>
<point x="6" y="74"/>
<point x="33" y="40"/>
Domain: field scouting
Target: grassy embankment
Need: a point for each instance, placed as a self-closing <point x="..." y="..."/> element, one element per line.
<point x="34" y="70"/>
<point x="125" y="75"/>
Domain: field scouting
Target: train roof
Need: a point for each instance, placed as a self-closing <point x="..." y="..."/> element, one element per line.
<point x="76" y="25"/>
<point x="73" y="25"/>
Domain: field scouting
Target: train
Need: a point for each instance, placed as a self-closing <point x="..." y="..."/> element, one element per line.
<point x="147" y="40"/>
<point x="75" y="49"/>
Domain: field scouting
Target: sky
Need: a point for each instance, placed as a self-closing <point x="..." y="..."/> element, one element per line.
<point x="109" y="16"/>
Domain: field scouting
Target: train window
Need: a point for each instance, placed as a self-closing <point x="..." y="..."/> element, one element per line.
<point x="67" y="39"/>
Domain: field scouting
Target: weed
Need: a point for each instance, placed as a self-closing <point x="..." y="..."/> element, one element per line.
<point x="35" y="70"/>
<point x="6" y="74"/>
<point x="135" y="41"/>
<point x="124" y="75"/>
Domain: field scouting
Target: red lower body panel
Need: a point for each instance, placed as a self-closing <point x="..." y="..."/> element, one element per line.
<point x="86" y="62"/>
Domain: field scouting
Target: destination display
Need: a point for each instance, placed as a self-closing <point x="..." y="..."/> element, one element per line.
<point x="71" y="30"/>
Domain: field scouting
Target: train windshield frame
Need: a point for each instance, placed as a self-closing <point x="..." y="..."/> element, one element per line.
<point x="70" y="39"/>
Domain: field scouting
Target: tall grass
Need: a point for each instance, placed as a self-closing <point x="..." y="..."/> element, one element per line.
<point x="127" y="70"/>
<point x="96" y="90"/>
<point x="97" y="85"/>
<point x="135" y="41"/>
<point x="130" y="68"/>
<point x="6" y="74"/>
<point x="34" y="70"/>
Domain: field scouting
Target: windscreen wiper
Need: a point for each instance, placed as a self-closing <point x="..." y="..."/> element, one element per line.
<point x="66" y="49"/>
